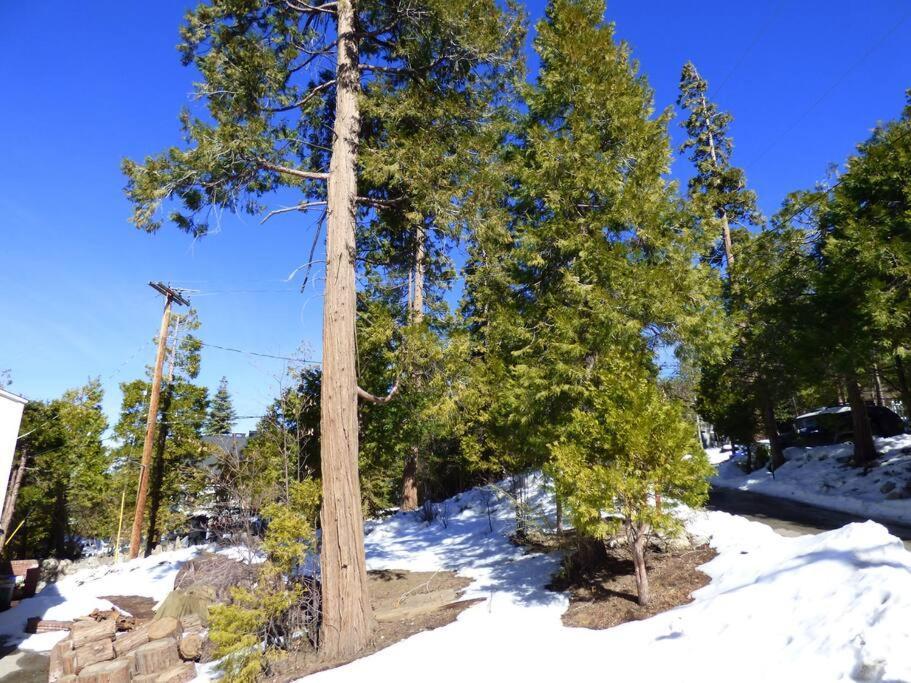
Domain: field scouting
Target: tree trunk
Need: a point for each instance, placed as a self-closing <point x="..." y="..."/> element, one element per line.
<point x="878" y="386"/>
<point x="409" y="481"/>
<point x="347" y="618"/>
<point x="559" y="513"/>
<point x="903" y="387"/>
<point x="638" y="538"/>
<point x="157" y="478"/>
<point x="771" y="432"/>
<point x="9" y="505"/>
<point x="864" y="450"/>
<point x="416" y="313"/>
<point x="725" y="225"/>
<point x="61" y="521"/>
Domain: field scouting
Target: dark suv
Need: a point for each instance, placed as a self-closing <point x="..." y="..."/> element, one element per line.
<point x="834" y="425"/>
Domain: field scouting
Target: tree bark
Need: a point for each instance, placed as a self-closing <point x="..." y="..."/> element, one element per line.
<point x="771" y="432"/>
<point x="725" y="225"/>
<point x="409" y="481"/>
<point x="637" y="540"/>
<point x="410" y="499"/>
<point x="864" y="450"/>
<point x="559" y="513"/>
<point x="9" y="505"/>
<point x="903" y="387"/>
<point x="347" y="618"/>
<point x="878" y="386"/>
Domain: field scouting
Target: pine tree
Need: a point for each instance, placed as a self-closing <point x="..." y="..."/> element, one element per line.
<point x="221" y="411"/>
<point x="718" y="190"/>
<point x="278" y="118"/>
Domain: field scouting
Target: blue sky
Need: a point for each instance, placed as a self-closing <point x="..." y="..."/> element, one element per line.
<point x="87" y="84"/>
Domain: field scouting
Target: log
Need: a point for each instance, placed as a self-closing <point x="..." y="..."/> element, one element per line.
<point x="166" y="627"/>
<point x="191" y="623"/>
<point x="156" y="656"/>
<point x="92" y="653"/>
<point x="129" y="641"/>
<point x="56" y="667"/>
<point x="179" y="673"/>
<point x="190" y="647"/>
<point x="114" y="671"/>
<point x="89" y="631"/>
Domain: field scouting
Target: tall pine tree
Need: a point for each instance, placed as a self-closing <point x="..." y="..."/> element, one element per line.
<point x="221" y="417"/>
<point x="287" y="87"/>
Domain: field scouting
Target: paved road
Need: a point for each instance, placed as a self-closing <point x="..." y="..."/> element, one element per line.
<point x="788" y="517"/>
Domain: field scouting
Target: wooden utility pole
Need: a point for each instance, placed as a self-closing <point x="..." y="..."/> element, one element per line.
<point x="170" y="296"/>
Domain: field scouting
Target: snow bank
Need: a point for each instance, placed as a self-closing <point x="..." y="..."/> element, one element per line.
<point x="815" y="608"/>
<point x="79" y="593"/>
<point x="823" y="476"/>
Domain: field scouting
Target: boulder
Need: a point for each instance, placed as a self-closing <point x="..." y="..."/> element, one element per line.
<point x="887" y="487"/>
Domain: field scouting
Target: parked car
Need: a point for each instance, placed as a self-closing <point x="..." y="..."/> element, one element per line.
<point x="834" y="425"/>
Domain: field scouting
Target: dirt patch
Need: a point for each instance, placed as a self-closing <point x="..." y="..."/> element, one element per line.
<point x="404" y="603"/>
<point x="602" y="588"/>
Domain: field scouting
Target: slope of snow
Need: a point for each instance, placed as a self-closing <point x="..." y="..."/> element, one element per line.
<point x="830" y="607"/>
<point x="823" y="476"/>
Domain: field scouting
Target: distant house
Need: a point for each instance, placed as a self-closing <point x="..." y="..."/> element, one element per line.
<point x="10" y="417"/>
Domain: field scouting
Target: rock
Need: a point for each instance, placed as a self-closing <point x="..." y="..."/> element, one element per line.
<point x="190" y="647"/>
<point x="165" y="627"/>
<point x="145" y="678"/>
<point x="92" y="653"/>
<point x="89" y="631"/>
<point x="898" y="495"/>
<point x="129" y="641"/>
<point x="887" y="487"/>
<point x="69" y="678"/>
<point x="114" y="671"/>
<point x="155" y="656"/>
<point x="179" y="673"/>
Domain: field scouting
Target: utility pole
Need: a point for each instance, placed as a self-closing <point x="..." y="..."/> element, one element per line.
<point x="170" y="296"/>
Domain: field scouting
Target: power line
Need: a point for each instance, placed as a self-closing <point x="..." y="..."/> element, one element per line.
<point x="261" y="355"/>
<point x="828" y="91"/>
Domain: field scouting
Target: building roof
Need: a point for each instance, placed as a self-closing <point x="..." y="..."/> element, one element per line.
<point x="12" y="397"/>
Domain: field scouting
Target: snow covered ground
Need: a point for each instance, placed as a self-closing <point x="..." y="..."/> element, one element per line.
<point x="830" y="607"/>
<point x="823" y="476"/>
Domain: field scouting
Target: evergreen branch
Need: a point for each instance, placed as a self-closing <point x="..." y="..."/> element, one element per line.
<point x="327" y="7"/>
<point x="380" y="203"/>
<point x="306" y="98"/>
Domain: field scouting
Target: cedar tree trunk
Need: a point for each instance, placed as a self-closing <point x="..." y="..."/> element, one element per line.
<point x="771" y="432"/>
<point x="9" y="505"/>
<point x="638" y="536"/>
<point x="410" y="471"/>
<point x="864" y="451"/>
<point x="903" y="387"/>
<point x="347" y="618"/>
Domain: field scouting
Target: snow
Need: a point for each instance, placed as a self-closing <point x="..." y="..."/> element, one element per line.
<point x="823" y="476"/>
<point x="829" y="607"/>
<point x="78" y="594"/>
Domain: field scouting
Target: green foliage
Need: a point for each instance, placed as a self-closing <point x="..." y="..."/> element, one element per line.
<point x="263" y="623"/>
<point x="631" y="444"/>
<point x="65" y="492"/>
<point x="221" y="417"/>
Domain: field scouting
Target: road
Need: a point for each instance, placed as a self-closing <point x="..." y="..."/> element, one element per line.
<point x="788" y="517"/>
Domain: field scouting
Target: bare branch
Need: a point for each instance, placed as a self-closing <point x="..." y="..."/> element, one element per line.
<point x="370" y="398"/>
<point x="300" y="6"/>
<point x="297" y="172"/>
<point x="306" y="98"/>
<point x="287" y="209"/>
